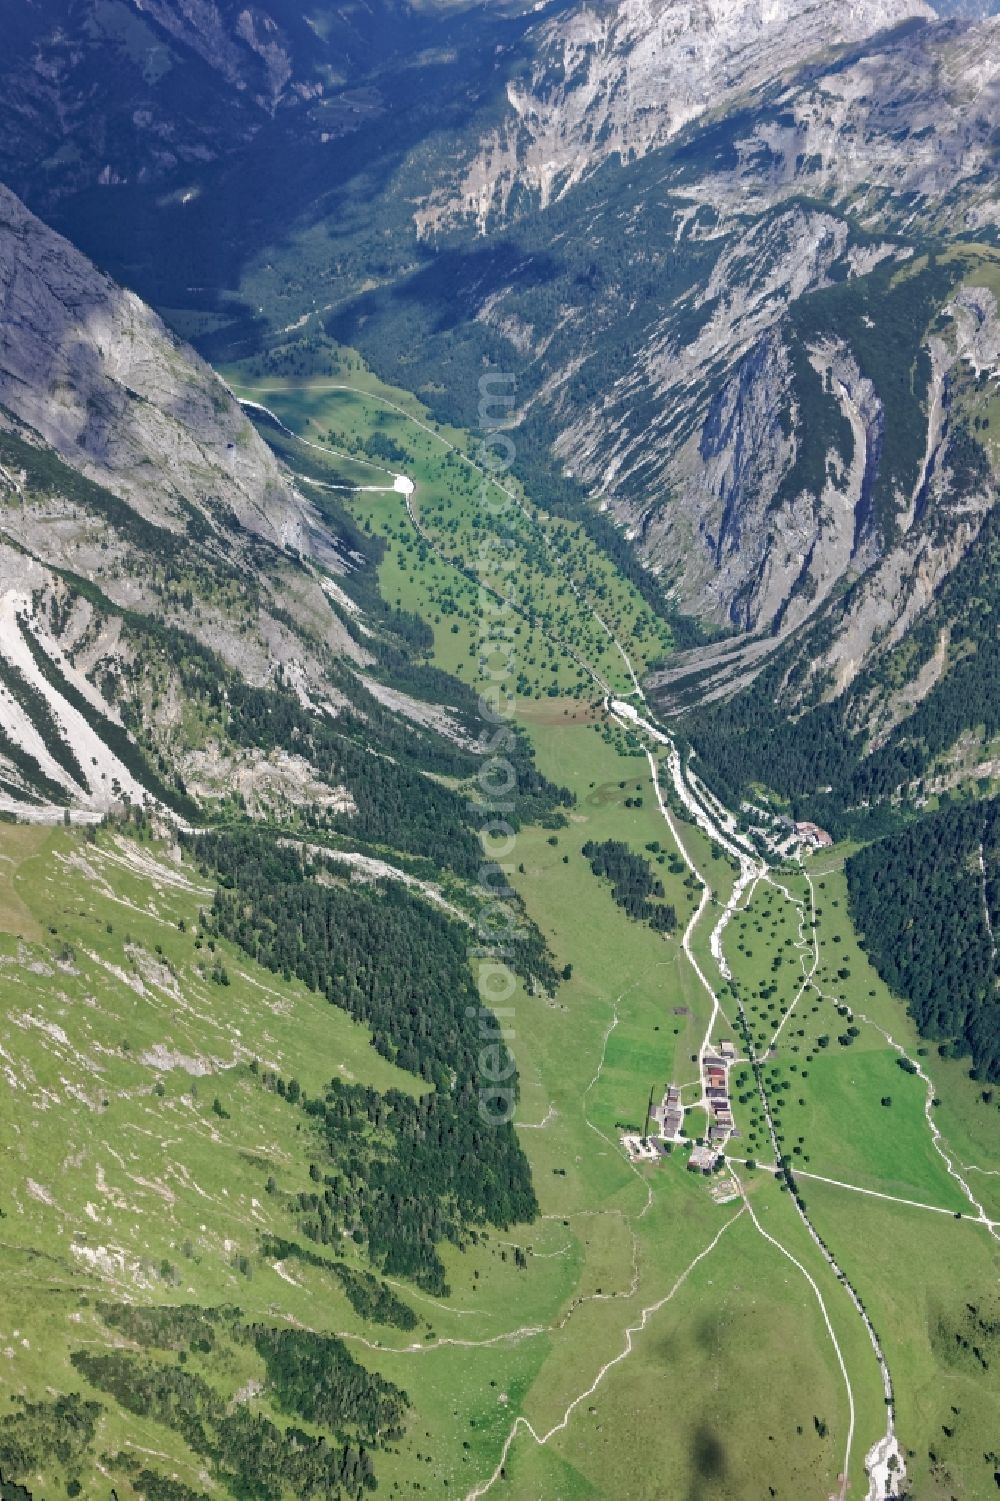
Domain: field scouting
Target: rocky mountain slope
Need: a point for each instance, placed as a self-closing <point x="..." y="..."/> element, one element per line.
<point x="692" y="232"/>
<point x="100" y="378"/>
<point x="765" y="351"/>
<point x="265" y="1231"/>
<point x="106" y="93"/>
<point x="619" y="80"/>
<point x="175" y="627"/>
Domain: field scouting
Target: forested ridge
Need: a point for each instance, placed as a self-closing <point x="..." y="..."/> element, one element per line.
<point x="305" y="1376"/>
<point x="290" y="907"/>
<point x="927" y="900"/>
<point x="401" y="1174"/>
<point x="371" y="1299"/>
<point x="251" y="1455"/>
<point x="31" y="1433"/>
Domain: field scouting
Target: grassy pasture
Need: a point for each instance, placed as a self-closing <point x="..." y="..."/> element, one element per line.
<point x="548" y="568"/>
<point x="844" y="1111"/>
<point x="919" y="1274"/>
<point x="123" y="1179"/>
<point x="153" y="1194"/>
<point x="17" y="844"/>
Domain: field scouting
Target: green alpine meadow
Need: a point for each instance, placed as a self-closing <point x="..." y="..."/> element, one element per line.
<point x="499" y="751"/>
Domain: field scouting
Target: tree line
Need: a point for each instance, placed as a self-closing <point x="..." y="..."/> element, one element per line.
<point x="401" y="1173"/>
<point x="927" y="900"/>
<point x="634" y="885"/>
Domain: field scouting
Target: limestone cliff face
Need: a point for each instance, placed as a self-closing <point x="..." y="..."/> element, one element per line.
<point x="832" y="638"/>
<point x="242" y="42"/>
<point x="98" y="375"/>
<point x="626" y="78"/>
<point x="195" y="524"/>
<point x="155" y="557"/>
<point x="691" y="445"/>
